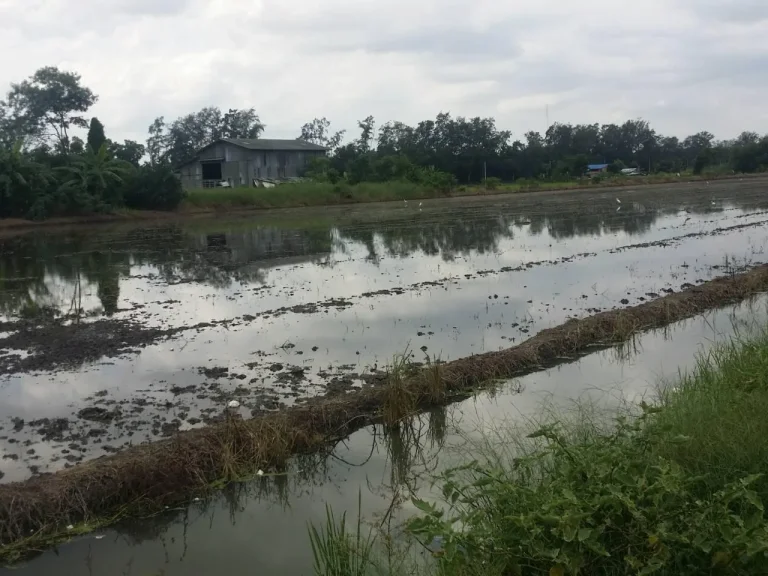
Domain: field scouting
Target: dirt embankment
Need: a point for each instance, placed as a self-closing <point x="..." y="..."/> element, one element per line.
<point x="149" y="477"/>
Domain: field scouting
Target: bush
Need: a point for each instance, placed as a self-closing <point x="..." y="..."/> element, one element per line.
<point x="604" y="505"/>
<point x="24" y="184"/>
<point x="152" y="188"/>
<point x="436" y="179"/>
<point x="616" y="167"/>
<point x="492" y="183"/>
<point x="704" y="159"/>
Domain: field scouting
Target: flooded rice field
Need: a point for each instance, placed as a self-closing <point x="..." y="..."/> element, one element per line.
<point x="111" y="336"/>
<point x="261" y="527"/>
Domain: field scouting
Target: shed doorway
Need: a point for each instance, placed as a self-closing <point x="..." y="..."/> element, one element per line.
<point x="212" y="171"/>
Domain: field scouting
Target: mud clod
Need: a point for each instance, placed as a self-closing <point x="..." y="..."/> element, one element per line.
<point x="97" y="414"/>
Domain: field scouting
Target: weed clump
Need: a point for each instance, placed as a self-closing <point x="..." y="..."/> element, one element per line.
<point x="434" y="381"/>
<point x="399" y="399"/>
<point x="336" y="551"/>
<point x="611" y="505"/>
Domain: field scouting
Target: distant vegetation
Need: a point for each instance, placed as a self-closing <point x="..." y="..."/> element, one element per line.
<point x="469" y="150"/>
<point x="47" y="171"/>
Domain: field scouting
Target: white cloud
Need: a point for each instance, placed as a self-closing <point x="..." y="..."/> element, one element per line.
<point x="592" y="61"/>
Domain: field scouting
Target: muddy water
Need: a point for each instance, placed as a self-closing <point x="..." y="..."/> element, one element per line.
<point x="143" y="331"/>
<point x="260" y="528"/>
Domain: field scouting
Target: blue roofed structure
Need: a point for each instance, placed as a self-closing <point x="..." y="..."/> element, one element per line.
<point x="596" y="169"/>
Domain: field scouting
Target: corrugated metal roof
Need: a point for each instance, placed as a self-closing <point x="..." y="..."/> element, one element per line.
<point x="266" y="144"/>
<point x="596" y="166"/>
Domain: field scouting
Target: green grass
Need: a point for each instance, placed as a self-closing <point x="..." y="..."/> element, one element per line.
<point x="338" y="552"/>
<point x="722" y="408"/>
<point x="301" y="194"/>
<point x="673" y="488"/>
<point x="306" y="194"/>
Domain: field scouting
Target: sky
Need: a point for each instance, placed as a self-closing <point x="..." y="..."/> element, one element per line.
<point x="683" y="65"/>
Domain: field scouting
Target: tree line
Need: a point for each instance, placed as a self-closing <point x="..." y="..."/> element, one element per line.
<point x="471" y="149"/>
<point x="45" y="170"/>
<point x="448" y="150"/>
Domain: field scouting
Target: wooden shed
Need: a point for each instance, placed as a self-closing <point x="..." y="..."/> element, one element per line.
<point x="241" y="162"/>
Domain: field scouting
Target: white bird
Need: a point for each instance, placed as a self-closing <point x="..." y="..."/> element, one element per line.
<point x="617" y="200"/>
<point x="233" y="404"/>
<point x="260" y="473"/>
<point x="419" y="204"/>
<point x="713" y="202"/>
<point x="405" y="202"/>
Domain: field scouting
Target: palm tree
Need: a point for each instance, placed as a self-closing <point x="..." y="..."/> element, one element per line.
<point x="93" y="180"/>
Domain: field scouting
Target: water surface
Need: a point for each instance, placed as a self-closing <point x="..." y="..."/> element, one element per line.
<point x="273" y="309"/>
<point x="260" y="527"/>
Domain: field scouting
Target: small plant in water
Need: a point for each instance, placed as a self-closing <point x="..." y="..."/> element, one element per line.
<point x="338" y="552"/>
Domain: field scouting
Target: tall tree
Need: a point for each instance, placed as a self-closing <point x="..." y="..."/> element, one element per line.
<point x="157" y="143"/>
<point x="318" y="131"/>
<point x="128" y="151"/>
<point x="178" y="142"/>
<point x="239" y="124"/>
<point x="49" y="103"/>
<point x="367" y="135"/>
<point x="76" y="145"/>
<point x="96" y="137"/>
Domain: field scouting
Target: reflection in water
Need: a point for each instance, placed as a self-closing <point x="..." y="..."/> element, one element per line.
<point x="412" y="447"/>
<point x="44" y="270"/>
<point x="38" y="270"/>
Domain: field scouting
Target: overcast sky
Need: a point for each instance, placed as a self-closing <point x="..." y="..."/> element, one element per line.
<point x="684" y="65"/>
